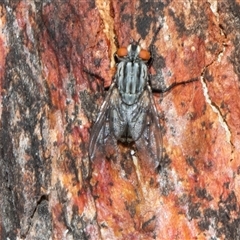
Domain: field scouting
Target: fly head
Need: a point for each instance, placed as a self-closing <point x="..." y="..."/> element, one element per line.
<point x="132" y="53"/>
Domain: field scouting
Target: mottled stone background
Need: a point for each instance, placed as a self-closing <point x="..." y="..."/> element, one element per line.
<point x="56" y="57"/>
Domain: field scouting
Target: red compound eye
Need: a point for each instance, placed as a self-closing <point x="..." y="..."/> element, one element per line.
<point x="122" y="52"/>
<point x="144" y="54"/>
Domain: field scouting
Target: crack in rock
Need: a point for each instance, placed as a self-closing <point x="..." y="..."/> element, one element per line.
<point x="216" y="110"/>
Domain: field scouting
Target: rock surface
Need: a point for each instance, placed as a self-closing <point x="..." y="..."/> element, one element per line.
<point x="56" y="57"/>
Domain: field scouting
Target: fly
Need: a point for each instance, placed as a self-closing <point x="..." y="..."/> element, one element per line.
<point x="128" y="110"/>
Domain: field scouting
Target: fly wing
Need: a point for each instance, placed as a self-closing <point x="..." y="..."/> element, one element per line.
<point x="151" y="136"/>
<point x="100" y="128"/>
<point x="156" y="129"/>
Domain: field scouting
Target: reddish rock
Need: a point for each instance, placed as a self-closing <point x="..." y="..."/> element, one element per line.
<point x="55" y="60"/>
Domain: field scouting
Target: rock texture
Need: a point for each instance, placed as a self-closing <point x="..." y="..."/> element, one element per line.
<point x="56" y="57"/>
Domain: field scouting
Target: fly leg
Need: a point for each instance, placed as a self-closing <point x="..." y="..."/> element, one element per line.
<point x="158" y="85"/>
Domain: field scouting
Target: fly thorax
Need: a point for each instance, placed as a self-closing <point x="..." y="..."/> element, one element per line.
<point x="132" y="79"/>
